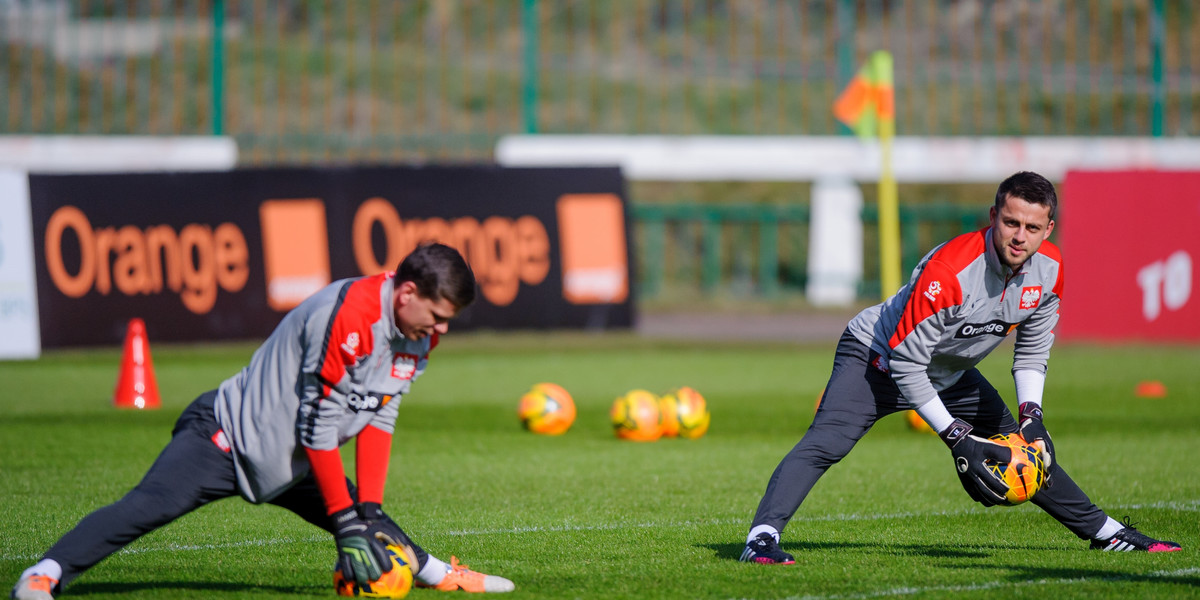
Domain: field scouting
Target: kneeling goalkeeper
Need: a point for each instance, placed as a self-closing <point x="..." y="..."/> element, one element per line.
<point x="334" y="369"/>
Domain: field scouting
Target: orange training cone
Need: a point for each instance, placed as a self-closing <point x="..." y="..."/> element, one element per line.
<point x="136" y="387"/>
<point x="1150" y="389"/>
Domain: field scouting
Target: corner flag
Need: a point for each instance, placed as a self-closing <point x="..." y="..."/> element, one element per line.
<point x="868" y="106"/>
<point x="868" y="103"/>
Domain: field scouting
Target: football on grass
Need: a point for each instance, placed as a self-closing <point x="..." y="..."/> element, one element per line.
<point x="916" y="423"/>
<point x="547" y="409"/>
<point x="393" y="584"/>
<point x="684" y="413"/>
<point x="635" y="416"/>
<point x="1024" y="473"/>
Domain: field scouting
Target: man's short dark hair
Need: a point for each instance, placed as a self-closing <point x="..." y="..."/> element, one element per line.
<point x="439" y="271"/>
<point x="1030" y="187"/>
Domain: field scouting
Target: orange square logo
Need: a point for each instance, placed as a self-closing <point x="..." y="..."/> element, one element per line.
<point x="295" y="250"/>
<point x="591" y="238"/>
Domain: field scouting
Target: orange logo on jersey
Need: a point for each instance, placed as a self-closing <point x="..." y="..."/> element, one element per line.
<point x="1030" y="297"/>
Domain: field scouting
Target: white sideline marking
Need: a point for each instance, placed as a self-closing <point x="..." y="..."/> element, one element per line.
<point x="187" y="547"/>
<point x="268" y="542"/>
<point x="1190" y="505"/>
<point x="991" y="585"/>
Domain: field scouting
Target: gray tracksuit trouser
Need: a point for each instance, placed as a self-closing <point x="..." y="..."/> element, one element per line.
<point x="858" y="395"/>
<point x="189" y="473"/>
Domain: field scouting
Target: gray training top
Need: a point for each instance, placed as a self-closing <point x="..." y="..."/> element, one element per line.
<point x="959" y="304"/>
<point x="335" y="364"/>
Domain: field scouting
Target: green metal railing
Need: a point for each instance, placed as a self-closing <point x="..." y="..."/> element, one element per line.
<point x="761" y="251"/>
<point x="304" y="81"/>
<point x="693" y="242"/>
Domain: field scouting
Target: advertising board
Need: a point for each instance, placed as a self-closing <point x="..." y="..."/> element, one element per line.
<point x="223" y="255"/>
<point x="1130" y="245"/>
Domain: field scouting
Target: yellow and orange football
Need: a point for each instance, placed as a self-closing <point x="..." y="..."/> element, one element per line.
<point x="1024" y="473"/>
<point x="393" y="584"/>
<point x="635" y="416"/>
<point x="684" y="413"/>
<point x="916" y="423"/>
<point x="547" y="409"/>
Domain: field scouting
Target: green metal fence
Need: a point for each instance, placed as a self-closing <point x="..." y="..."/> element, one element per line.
<point x="301" y="81"/>
<point x="748" y="250"/>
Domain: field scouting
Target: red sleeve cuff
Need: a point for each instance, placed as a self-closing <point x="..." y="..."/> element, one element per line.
<point x="374" y="452"/>
<point x="331" y="478"/>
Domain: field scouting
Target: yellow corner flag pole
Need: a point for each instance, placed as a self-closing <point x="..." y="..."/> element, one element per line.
<point x="889" y="202"/>
<point x="867" y="106"/>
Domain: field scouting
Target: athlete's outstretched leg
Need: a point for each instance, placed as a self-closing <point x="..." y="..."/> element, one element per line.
<point x="856" y="396"/>
<point x="190" y="472"/>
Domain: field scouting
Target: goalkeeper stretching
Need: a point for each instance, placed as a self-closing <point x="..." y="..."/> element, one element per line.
<point x="919" y="349"/>
<point x="334" y="369"/>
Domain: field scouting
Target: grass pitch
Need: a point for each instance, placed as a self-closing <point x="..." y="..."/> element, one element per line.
<point x="587" y="516"/>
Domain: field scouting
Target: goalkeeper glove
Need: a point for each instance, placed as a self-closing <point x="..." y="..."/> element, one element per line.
<point x="1034" y="431"/>
<point x="970" y="456"/>
<point x="362" y="557"/>
<point x="382" y="526"/>
<point x="385" y="529"/>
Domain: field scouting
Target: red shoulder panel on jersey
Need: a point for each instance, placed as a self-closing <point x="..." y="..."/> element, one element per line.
<point x="960" y="251"/>
<point x="1052" y="252"/>
<point x="937" y="288"/>
<point x="350" y="337"/>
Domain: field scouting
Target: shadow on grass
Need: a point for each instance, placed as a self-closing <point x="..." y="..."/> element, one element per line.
<point x="167" y="587"/>
<point x="1026" y="573"/>
<point x="733" y="551"/>
<point x="1016" y="573"/>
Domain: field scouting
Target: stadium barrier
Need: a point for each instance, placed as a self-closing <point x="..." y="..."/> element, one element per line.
<point x="828" y="160"/>
<point x="117" y="153"/>
<point x="925" y="159"/>
<point x="223" y="255"/>
<point x="21" y="154"/>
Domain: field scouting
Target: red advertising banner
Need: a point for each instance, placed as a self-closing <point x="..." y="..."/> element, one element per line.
<point x="1131" y="243"/>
